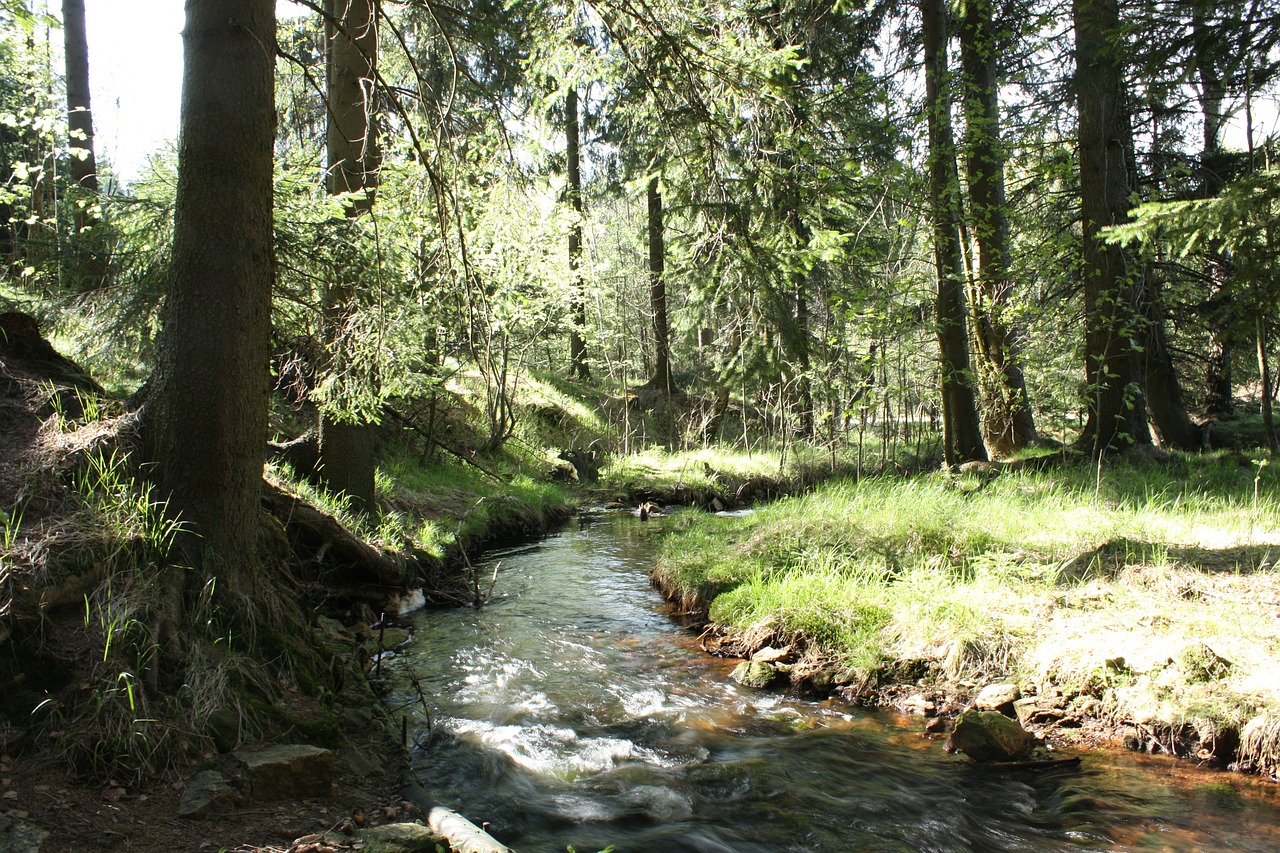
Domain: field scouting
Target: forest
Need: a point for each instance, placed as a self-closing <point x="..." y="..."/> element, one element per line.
<point x="420" y="277"/>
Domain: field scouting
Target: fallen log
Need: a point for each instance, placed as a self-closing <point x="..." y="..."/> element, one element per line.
<point x="320" y="537"/>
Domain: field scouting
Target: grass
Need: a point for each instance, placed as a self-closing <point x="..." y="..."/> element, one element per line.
<point x="1041" y="576"/>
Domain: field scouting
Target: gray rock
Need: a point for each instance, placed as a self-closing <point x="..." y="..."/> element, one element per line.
<point x="755" y="674"/>
<point x="919" y="704"/>
<point x="997" y="697"/>
<point x="988" y="736"/>
<point x="288" y="772"/>
<point x="401" y="838"/>
<point x="207" y="794"/>
<point x="19" y="837"/>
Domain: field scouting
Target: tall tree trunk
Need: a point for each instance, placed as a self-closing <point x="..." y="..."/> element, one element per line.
<point x="1222" y="316"/>
<point x="1170" y="422"/>
<point x="1008" y="422"/>
<point x="658" y="291"/>
<point x="347" y="444"/>
<point x="82" y="168"/>
<point x="578" y="366"/>
<point x="1117" y="416"/>
<point x="205" y="420"/>
<point x="962" y="431"/>
<point x="86" y="267"/>
<point x="1264" y="374"/>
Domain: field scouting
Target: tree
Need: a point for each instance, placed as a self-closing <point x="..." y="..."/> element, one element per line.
<point x="1007" y="418"/>
<point x="1117" y="415"/>
<point x="87" y="266"/>
<point x="661" y="379"/>
<point x="205" y="415"/>
<point x="347" y="439"/>
<point x="578" y="366"/>
<point x="83" y="167"/>
<point x="962" y="433"/>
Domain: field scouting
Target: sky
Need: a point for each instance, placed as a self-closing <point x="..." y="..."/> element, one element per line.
<point x="135" y="74"/>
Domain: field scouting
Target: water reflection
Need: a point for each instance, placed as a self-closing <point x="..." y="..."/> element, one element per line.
<point x="573" y="710"/>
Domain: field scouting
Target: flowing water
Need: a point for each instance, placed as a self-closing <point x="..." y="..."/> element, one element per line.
<point x="573" y="710"/>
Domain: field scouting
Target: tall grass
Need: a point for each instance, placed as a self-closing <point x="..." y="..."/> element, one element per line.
<point x="969" y="570"/>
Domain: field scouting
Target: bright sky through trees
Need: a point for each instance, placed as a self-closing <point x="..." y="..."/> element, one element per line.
<point x="135" y="73"/>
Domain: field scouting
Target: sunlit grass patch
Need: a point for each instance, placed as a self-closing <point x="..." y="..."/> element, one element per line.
<point x="1057" y="575"/>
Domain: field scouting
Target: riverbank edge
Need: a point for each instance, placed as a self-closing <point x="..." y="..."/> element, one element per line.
<point x="1055" y="711"/>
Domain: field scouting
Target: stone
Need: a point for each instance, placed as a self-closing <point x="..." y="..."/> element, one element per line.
<point x="332" y="631"/>
<point x="401" y="838"/>
<point x="935" y="726"/>
<point x="771" y="655"/>
<point x="1037" y="710"/>
<point x="1198" y="663"/>
<point x="289" y="771"/>
<point x="919" y="704"/>
<point x="207" y="794"/>
<point x="997" y="697"/>
<point x="754" y="674"/>
<point x="19" y="837"/>
<point x="988" y="736"/>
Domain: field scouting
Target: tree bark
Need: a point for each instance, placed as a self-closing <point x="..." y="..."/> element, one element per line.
<point x="82" y="168"/>
<point x="962" y="432"/>
<point x="578" y="366"/>
<point x="205" y="419"/>
<point x="347" y="446"/>
<point x="1008" y="422"/>
<point x="658" y="291"/>
<point x="84" y="264"/>
<point x="1117" y="416"/>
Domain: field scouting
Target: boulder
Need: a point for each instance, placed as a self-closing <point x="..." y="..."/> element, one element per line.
<point x="288" y="771"/>
<point x="755" y="674"/>
<point x="997" y="697"/>
<point x="401" y="838"/>
<point x="207" y="794"/>
<point x="988" y="736"/>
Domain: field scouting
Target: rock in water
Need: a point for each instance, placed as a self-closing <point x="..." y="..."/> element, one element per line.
<point x="754" y="673"/>
<point x="987" y="736"/>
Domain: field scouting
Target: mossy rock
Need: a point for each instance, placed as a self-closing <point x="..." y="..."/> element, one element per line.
<point x="1198" y="663"/>
<point x="987" y="736"/>
<point x="754" y="673"/>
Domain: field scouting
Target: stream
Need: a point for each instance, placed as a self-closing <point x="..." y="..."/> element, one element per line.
<point x="574" y="710"/>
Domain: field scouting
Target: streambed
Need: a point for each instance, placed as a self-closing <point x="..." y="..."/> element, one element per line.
<point x="574" y="710"/>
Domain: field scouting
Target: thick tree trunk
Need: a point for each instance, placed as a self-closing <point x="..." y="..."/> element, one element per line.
<point x="347" y="447"/>
<point x="658" y="292"/>
<point x="962" y="432"/>
<point x="1117" y="416"/>
<point x="1169" y="420"/>
<point x="1222" y="316"/>
<point x="578" y="366"/>
<point x="205" y="420"/>
<point x="1008" y="422"/>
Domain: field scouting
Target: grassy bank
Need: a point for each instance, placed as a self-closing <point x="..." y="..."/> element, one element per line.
<point x="1100" y="589"/>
